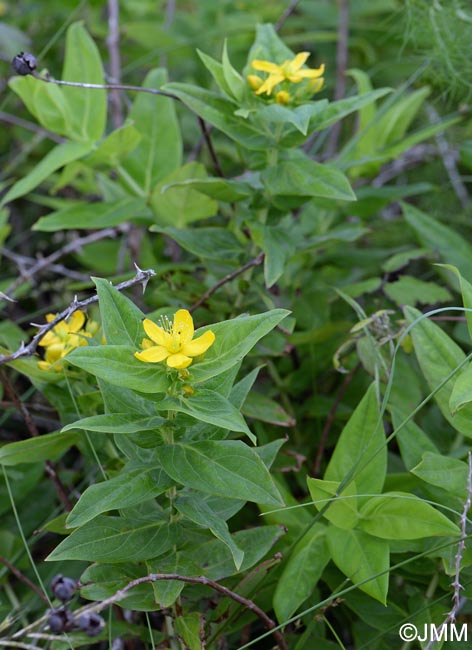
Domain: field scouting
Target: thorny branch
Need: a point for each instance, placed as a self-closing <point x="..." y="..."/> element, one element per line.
<point x="457" y="601"/>
<point x="254" y="262"/>
<point x="46" y="262"/>
<point x="141" y="277"/>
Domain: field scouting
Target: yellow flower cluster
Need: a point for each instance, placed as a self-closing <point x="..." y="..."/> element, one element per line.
<point x="290" y="71"/>
<point x="173" y="342"/>
<point x="63" y="338"/>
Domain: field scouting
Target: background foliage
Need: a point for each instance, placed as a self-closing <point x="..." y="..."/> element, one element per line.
<point x="315" y="462"/>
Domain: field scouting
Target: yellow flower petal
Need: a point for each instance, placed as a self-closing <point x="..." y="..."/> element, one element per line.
<point x="311" y="73"/>
<point x="76" y="321"/>
<point x="156" y="333"/>
<point x="146" y="343"/>
<point x="152" y="355"/>
<point x="183" y="325"/>
<point x="297" y="62"/>
<point x="48" y="339"/>
<point x="198" y="346"/>
<point x="270" y="83"/>
<point x="44" y="365"/>
<point x="50" y="317"/>
<point x="265" y="66"/>
<point x="316" y="85"/>
<point x="178" y="361"/>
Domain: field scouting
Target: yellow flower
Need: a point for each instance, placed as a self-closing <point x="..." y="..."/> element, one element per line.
<point x="173" y="341"/>
<point x="63" y="338"/>
<point x="282" y="97"/>
<point x="290" y="70"/>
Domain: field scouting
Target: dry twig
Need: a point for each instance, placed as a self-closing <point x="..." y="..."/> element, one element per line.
<point x="141" y="277"/>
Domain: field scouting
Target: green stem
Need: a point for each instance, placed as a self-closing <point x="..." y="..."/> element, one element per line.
<point x="130" y="182"/>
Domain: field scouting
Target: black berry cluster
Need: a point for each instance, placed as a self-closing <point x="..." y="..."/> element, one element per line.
<point x="62" y="619"/>
<point x="24" y="63"/>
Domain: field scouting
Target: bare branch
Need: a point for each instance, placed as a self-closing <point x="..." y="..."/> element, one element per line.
<point x="141" y="277"/>
<point x="30" y="126"/>
<point x="286" y="14"/>
<point x="254" y="262"/>
<point x="81" y="84"/>
<point x="211" y="150"/>
<point x="113" y="41"/>
<point x="201" y="580"/>
<point x="24" y="262"/>
<point x="342" y="56"/>
<point x="449" y="161"/>
<point x="74" y="245"/>
<point x="34" y="433"/>
<point x="25" y="580"/>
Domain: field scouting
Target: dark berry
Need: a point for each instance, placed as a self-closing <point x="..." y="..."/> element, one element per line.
<point x="90" y="623"/>
<point x="63" y="588"/>
<point x="24" y="63"/>
<point x="61" y="620"/>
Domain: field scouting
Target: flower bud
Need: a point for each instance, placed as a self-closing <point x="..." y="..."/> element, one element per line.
<point x="282" y="97"/>
<point x="254" y="81"/>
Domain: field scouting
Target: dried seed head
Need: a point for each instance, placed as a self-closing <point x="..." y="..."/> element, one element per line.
<point x="24" y="63"/>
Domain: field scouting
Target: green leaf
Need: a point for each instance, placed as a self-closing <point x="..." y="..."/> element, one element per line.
<point x="300" y="117"/>
<point x="93" y="216"/>
<point x="220" y="112"/>
<point x="268" y="46"/>
<point x="408" y="290"/>
<point x="451" y="246"/>
<point x="219" y="189"/>
<point x="159" y="151"/>
<point x="215" y="68"/>
<point x="233" y="340"/>
<point x="461" y="394"/>
<point x="54" y="160"/>
<point x="301" y="573"/>
<point x="117" y="365"/>
<point x="188" y="627"/>
<point x="121" y="319"/>
<point x="118" y="144"/>
<point x="130" y="487"/>
<point x="195" y="509"/>
<point x="211" y="407"/>
<point x="166" y="592"/>
<point x="333" y="112"/>
<point x="116" y="539"/>
<point x="399" y="515"/>
<point x="35" y="450"/>
<point x="215" y="558"/>
<point x="46" y="102"/>
<point x="361" y="557"/>
<point x="306" y="178"/>
<point x="438" y="355"/>
<point x="447" y="473"/>
<point x="466" y="290"/>
<point x="279" y="244"/>
<point x="180" y="204"/>
<point x="342" y="510"/>
<point x="263" y="408"/>
<point x="87" y="107"/>
<point x="117" y="423"/>
<point x="362" y="436"/>
<point x="412" y="440"/>
<point x="206" y="243"/>
<point x="226" y="468"/>
<point x="235" y="82"/>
